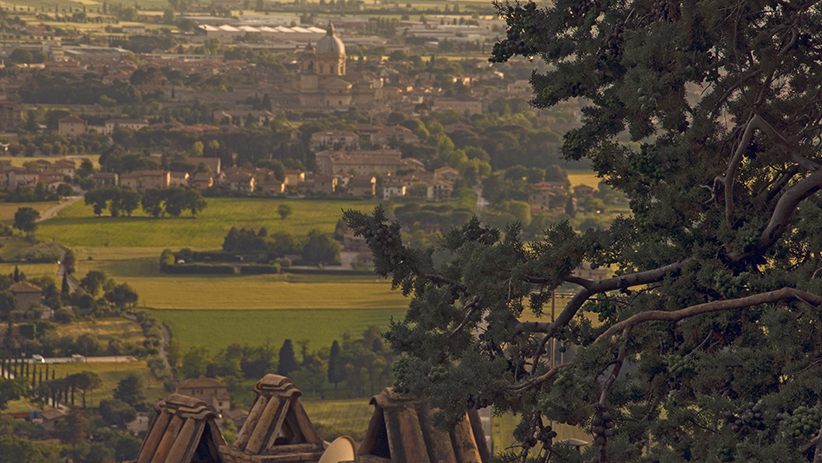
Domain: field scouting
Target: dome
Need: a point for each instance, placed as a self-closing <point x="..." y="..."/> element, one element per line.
<point x="330" y="44"/>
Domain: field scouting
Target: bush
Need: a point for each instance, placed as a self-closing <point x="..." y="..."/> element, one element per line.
<point x="45" y="252"/>
<point x="259" y="269"/>
<point x="199" y="269"/>
<point x="63" y="315"/>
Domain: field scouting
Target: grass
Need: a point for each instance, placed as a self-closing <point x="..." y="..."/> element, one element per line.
<point x="583" y="177"/>
<point x="502" y="433"/>
<point x="261" y="292"/>
<point x="111" y="374"/>
<point x="7" y="210"/>
<point x="350" y="416"/>
<point x="76" y="225"/>
<point x="219" y="328"/>
<point x="105" y="330"/>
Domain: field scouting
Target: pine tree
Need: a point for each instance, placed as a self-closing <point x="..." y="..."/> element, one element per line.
<point x="287" y="360"/>
<point x="336" y="367"/>
<point x="706" y="337"/>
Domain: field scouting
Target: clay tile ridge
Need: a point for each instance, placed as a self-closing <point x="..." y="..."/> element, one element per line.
<point x="401" y="431"/>
<point x="272" y="384"/>
<point x="183" y="428"/>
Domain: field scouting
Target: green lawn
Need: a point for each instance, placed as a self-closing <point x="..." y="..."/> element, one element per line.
<point x="7" y="210"/>
<point x="261" y="292"/>
<point x="219" y="328"/>
<point x="332" y="417"/>
<point x="105" y="329"/>
<point x="583" y="177"/>
<point x="76" y="225"/>
<point x="111" y="374"/>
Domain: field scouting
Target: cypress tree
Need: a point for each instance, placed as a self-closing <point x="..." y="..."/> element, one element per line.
<point x="288" y="361"/>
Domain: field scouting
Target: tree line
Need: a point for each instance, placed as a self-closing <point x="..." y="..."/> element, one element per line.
<point x="155" y="202"/>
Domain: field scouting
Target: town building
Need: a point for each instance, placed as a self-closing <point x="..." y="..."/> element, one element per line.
<point x="71" y="126"/>
<point x="27" y="294"/>
<point x="211" y="391"/>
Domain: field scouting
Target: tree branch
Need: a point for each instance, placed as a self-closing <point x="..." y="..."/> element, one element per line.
<point x="590" y="287"/>
<point x="785" y="207"/>
<point x="714" y="306"/>
<point x="547" y="376"/>
<point x="617" y="366"/>
<point x="757" y="123"/>
<point x="471" y="306"/>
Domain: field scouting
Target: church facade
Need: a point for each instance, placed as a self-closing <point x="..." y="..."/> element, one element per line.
<point x="322" y="82"/>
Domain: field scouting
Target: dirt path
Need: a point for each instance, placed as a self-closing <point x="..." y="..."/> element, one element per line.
<point x="50" y="213"/>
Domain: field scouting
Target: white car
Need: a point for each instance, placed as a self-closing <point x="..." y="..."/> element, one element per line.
<point x="38" y="358"/>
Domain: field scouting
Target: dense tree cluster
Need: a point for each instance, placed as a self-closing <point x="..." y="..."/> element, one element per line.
<point x="704" y="344"/>
<point x="316" y="248"/>
<point x="155" y="202"/>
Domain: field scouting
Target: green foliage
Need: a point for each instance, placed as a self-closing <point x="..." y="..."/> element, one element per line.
<point x="25" y="219"/>
<point x="130" y="390"/>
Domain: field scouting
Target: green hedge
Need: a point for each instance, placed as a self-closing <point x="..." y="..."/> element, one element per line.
<point x="199" y="269"/>
<point x="259" y="269"/>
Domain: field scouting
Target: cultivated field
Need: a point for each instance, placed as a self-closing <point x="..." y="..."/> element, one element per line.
<point x="7" y="210"/>
<point x="76" y="225"/>
<point x="105" y="330"/>
<point x="583" y="177"/>
<point x="219" y="328"/>
<point x="111" y="374"/>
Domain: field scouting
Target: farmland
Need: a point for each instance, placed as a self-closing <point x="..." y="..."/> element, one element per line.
<point x="76" y="225"/>
<point x="111" y="374"/>
<point x="219" y="328"/>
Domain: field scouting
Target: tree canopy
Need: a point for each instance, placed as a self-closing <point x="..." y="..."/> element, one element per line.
<point x="703" y="341"/>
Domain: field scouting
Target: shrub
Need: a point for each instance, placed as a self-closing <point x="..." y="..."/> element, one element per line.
<point x="259" y="269"/>
<point x="43" y="253"/>
<point x="199" y="269"/>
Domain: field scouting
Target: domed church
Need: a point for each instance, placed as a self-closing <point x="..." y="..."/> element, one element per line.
<point x="321" y="84"/>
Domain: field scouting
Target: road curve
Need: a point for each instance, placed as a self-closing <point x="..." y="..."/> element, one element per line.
<point x="50" y="213"/>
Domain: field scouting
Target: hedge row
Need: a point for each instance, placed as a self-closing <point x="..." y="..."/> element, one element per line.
<point x="199" y="269"/>
<point x="259" y="269"/>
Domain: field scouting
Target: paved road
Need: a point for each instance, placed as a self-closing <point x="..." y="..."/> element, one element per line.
<point x="103" y="359"/>
<point x="49" y="213"/>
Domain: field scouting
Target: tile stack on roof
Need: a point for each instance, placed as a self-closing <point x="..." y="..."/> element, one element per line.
<point x="184" y="431"/>
<point x="277" y="428"/>
<point x="400" y="432"/>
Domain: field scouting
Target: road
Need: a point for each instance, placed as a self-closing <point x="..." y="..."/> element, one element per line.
<point x="50" y="213"/>
<point x="103" y="359"/>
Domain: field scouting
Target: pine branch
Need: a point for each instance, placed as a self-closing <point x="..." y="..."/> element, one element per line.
<point x="714" y="306"/>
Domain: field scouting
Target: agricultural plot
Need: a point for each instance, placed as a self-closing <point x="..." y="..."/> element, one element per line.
<point x="7" y="210"/>
<point x="219" y="328"/>
<point x="105" y="330"/>
<point x="111" y="374"/>
<point x="262" y="292"/>
<point x="345" y="416"/>
<point x="583" y="177"/>
<point x="76" y="225"/>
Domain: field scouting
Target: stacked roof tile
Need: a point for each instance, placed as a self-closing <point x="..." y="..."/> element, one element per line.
<point x="183" y="431"/>
<point x="400" y="432"/>
<point x="277" y="428"/>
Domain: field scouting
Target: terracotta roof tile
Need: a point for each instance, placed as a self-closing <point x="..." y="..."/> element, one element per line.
<point x="277" y="427"/>
<point x="400" y="432"/>
<point x="183" y="431"/>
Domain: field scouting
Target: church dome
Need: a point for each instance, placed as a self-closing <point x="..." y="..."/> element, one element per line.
<point x="330" y="44"/>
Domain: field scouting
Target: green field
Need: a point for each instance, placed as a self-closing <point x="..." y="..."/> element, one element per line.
<point x="76" y="225"/>
<point x="349" y="416"/>
<point x="111" y="374"/>
<point x="219" y="328"/>
<point x="7" y="210"/>
<point x="105" y="329"/>
<point x="583" y="177"/>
